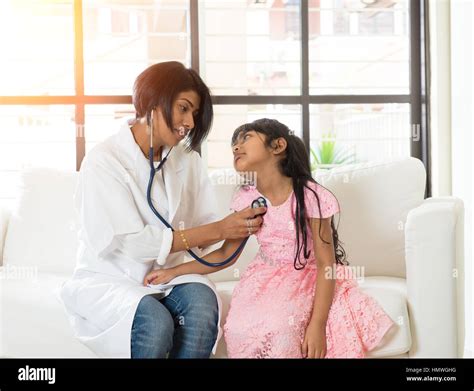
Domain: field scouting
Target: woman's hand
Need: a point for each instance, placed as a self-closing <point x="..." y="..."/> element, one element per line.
<point x="160" y="276"/>
<point x="241" y="224"/>
<point x="314" y="343"/>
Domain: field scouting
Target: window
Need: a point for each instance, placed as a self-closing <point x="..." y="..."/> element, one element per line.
<point x="34" y="136"/>
<point x="349" y="133"/>
<point x="346" y="73"/>
<point x="251" y="48"/>
<point x="103" y="121"/>
<point x="122" y="38"/>
<point x="37" y="46"/>
<point x="359" y="50"/>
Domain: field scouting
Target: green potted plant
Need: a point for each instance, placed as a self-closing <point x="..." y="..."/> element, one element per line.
<point x="328" y="155"/>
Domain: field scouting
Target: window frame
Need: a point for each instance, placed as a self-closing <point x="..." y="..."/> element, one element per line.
<point x="417" y="96"/>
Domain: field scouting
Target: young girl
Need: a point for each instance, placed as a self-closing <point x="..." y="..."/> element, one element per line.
<point x="291" y="301"/>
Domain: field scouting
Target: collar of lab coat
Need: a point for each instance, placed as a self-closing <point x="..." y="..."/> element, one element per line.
<point x="132" y="158"/>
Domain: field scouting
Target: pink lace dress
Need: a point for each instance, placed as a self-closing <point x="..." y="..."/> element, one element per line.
<point x="272" y="303"/>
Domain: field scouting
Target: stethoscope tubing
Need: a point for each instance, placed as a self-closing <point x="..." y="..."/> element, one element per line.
<point x="153" y="171"/>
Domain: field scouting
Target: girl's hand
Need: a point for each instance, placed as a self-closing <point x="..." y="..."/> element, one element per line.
<point x="314" y="343"/>
<point x="160" y="276"/>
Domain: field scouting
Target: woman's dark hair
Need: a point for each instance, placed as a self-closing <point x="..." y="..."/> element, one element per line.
<point x="296" y="166"/>
<point x="160" y="84"/>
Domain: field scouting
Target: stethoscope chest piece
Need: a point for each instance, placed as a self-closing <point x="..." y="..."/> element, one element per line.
<point x="259" y="202"/>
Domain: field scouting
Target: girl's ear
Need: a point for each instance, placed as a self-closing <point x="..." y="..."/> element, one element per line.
<point x="279" y="145"/>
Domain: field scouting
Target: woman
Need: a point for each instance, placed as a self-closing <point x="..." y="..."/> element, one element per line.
<point x="121" y="240"/>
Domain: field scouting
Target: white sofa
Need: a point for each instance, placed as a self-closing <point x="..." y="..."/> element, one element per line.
<point x="410" y="249"/>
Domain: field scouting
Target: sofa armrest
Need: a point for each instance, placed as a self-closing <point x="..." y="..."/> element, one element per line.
<point x="4" y="218"/>
<point x="434" y="255"/>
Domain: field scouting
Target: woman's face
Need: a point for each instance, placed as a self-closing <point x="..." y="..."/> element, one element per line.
<point x="184" y="111"/>
<point x="250" y="151"/>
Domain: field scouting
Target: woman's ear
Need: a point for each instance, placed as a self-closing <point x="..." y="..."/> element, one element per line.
<point x="279" y="145"/>
<point x="149" y="116"/>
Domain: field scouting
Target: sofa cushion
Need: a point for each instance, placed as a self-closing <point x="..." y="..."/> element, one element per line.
<point x="42" y="230"/>
<point x="225" y="290"/>
<point x="389" y="292"/>
<point x="33" y="320"/>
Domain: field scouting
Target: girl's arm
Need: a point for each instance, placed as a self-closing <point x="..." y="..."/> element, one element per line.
<point x="161" y="276"/>
<point x="314" y="345"/>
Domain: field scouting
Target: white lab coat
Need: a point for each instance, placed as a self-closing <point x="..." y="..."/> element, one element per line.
<point x="121" y="239"/>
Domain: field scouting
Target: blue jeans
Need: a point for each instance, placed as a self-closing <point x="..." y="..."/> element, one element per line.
<point x="181" y="325"/>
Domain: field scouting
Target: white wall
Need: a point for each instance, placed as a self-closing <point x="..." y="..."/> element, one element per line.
<point x="440" y="50"/>
<point x="452" y="120"/>
<point x="462" y="121"/>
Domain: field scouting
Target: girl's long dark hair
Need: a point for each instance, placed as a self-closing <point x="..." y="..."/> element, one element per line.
<point x="296" y="166"/>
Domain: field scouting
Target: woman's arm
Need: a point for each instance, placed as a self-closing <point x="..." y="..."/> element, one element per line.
<point x="234" y="226"/>
<point x="314" y="345"/>
<point x="161" y="276"/>
<point x="219" y="255"/>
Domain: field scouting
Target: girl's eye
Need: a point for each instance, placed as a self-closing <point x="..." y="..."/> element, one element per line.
<point x="183" y="109"/>
<point x="246" y="136"/>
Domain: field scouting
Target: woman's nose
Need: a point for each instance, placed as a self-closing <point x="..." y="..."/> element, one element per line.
<point x="235" y="148"/>
<point x="189" y="122"/>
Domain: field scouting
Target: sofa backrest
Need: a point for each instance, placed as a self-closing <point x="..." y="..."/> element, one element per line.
<point x="42" y="230"/>
<point x="375" y="199"/>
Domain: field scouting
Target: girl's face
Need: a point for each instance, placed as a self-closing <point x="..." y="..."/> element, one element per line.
<point x="184" y="111"/>
<point x="250" y="151"/>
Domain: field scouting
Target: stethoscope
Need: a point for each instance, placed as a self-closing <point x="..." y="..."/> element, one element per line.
<point x="260" y="201"/>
